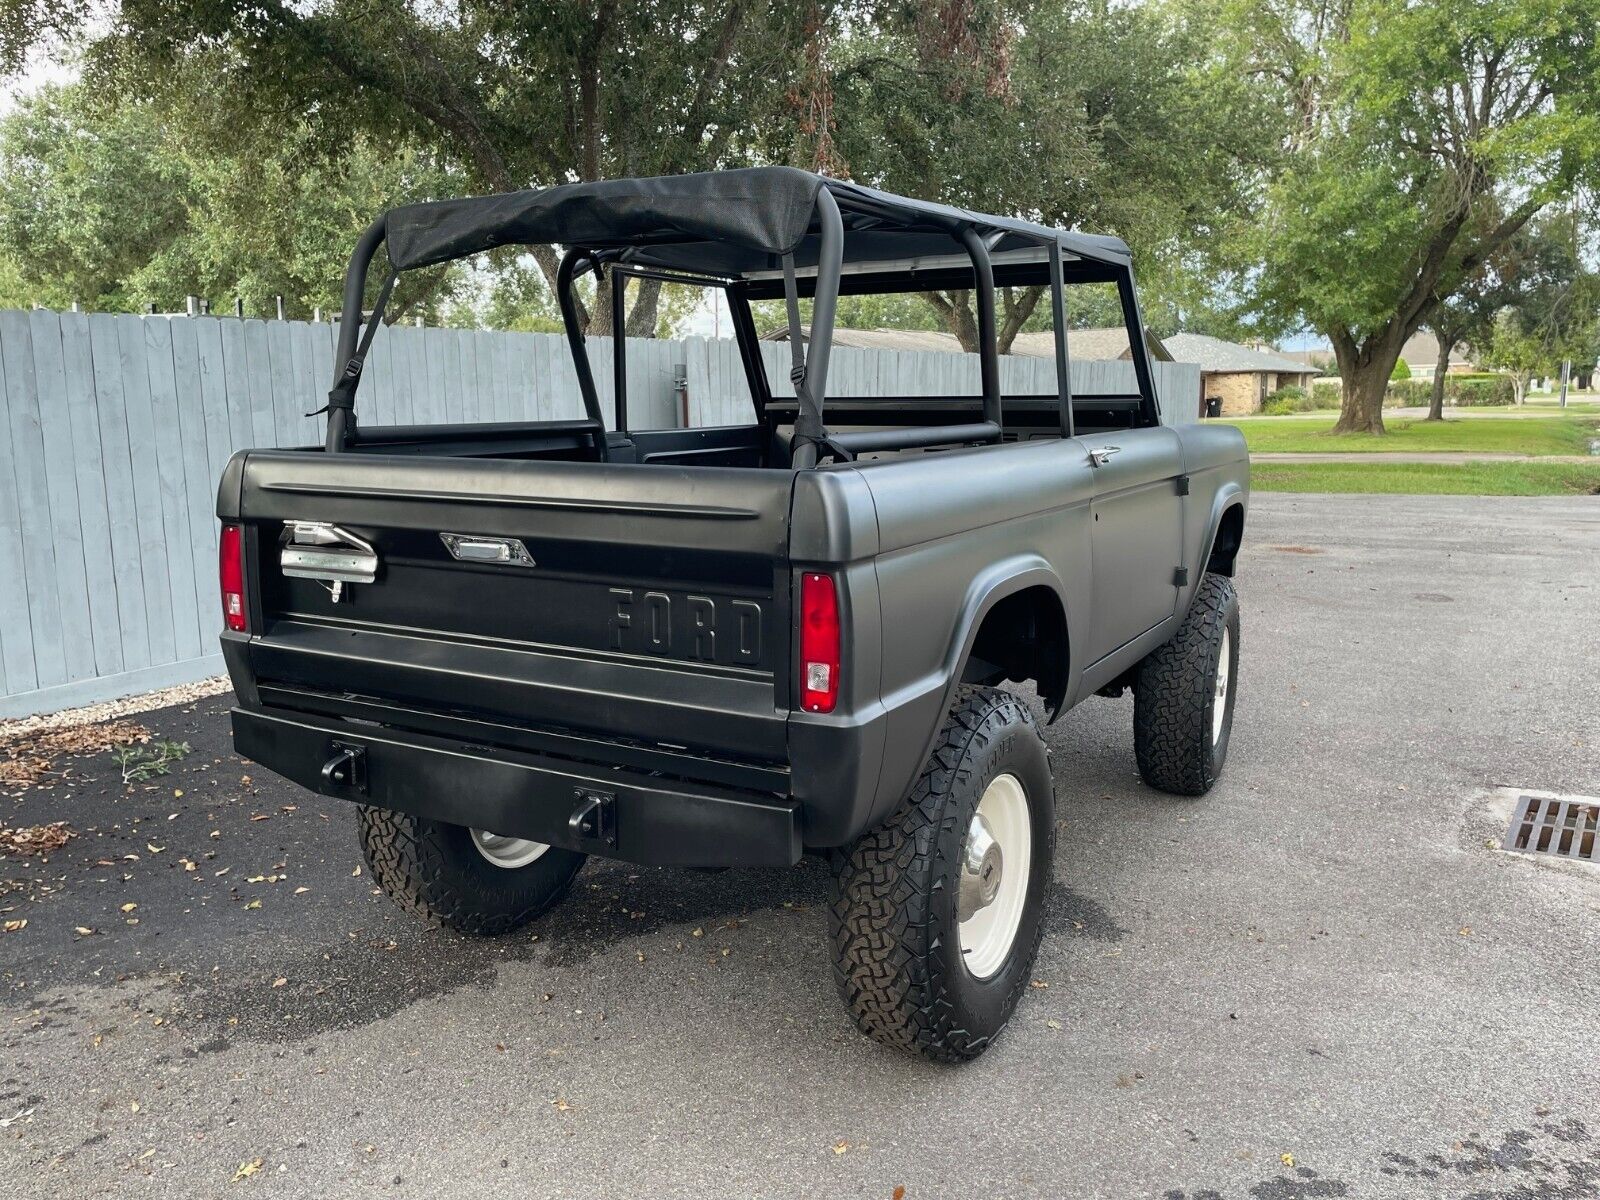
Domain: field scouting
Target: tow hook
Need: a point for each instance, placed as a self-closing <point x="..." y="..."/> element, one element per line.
<point x="347" y="768"/>
<point x="595" y="818"/>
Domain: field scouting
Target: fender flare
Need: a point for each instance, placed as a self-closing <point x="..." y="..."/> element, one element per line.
<point x="1002" y="579"/>
<point x="1230" y="495"/>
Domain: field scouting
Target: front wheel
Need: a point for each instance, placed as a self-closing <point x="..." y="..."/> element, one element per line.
<point x="471" y="880"/>
<point x="1183" y="695"/>
<point x="935" y="918"/>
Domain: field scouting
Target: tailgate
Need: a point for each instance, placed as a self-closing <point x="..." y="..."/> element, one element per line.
<point x="641" y="604"/>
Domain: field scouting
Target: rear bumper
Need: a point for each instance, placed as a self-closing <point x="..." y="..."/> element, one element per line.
<point x="650" y="819"/>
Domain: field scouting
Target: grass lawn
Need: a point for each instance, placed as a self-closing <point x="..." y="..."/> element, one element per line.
<point x="1418" y="479"/>
<point x="1527" y="435"/>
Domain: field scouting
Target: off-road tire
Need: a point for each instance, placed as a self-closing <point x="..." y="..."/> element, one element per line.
<point x="892" y="916"/>
<point x="1174" y="700"/>
<point x="431" y="869"/>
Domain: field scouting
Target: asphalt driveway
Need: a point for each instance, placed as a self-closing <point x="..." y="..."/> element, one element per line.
<point x="1319" y="981"/>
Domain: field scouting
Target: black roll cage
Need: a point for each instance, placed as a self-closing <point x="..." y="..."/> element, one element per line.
<point x="827" y="281"/>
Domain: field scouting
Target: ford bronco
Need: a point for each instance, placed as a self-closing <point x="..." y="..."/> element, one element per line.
<point x="516" y="645"/>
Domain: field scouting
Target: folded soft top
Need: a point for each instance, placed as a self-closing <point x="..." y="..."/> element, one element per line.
<point x="727" y="223"/>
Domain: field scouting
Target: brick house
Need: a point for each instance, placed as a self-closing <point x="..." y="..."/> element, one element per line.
<point x="1242" y="377"/>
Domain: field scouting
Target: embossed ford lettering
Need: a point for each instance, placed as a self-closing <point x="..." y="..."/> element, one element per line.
<point x="693" y="627"/>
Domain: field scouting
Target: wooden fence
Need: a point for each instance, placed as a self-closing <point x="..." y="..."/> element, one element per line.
<point x="114" y="430"/>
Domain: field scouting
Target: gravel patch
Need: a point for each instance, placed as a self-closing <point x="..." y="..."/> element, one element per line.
<point x="89" y="714"/>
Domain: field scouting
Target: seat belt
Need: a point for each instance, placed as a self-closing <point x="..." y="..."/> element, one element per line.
<point x="808" y="426"/>
<point x="343" y="394"/>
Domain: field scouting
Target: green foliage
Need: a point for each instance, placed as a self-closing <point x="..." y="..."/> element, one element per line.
<point x="1462" y="391"/>
<point x="1402" y="370"/>
<point x="1291" y="399"/>
<point x="140" y="764"/>
<point x="1416" y="140"/>
<point x="1421" y="479"/>
<point x="127" y="204"/>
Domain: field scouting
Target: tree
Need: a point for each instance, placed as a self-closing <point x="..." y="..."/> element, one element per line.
<point x="506" y="96"/>
<point x="1084" y="115"/>
<point x="120" y="205"/>
<point x="1417" y="140"/>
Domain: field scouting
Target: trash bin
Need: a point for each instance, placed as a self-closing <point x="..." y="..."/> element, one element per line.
<point x="1213" y="406"/>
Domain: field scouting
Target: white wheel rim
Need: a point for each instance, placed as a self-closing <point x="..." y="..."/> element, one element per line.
<point x="1219" y="698"/>
<point x="507" y="852"/>
<point x="990" y="912"/>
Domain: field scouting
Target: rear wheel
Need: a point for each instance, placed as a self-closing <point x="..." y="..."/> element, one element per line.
<point x="1183" y="695"/>
<point x="935" y="918"/>
<point x="471" y="880"/>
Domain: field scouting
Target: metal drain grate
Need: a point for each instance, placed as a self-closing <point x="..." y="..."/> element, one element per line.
<point x="1562" y="826"/>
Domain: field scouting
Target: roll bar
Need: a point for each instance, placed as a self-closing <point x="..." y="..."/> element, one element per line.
<point x="825" y="299"/>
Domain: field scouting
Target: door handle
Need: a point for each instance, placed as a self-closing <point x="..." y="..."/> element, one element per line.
<point x="1099" y="456"/>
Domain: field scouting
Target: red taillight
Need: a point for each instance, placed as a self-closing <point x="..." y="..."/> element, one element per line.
<point x="230" y="570"/>
<point x="819" y="643"/>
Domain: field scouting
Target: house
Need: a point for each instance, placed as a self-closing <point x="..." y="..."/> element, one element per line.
<point x="1241" y="377"/>
<point x="1421" y="354"/>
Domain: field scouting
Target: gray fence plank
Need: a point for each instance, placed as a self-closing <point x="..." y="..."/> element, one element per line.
<point x="146" y="467"/>
<point x="94" y="512"/>
<point x="55" y="426"/>
<point x="173" y="486"/>
<point x="32" y="500"/>
<point x="199" y="483"/>
<point x="122" y="505"/>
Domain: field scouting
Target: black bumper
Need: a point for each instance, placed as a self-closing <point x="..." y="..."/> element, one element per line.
<point x="618" y="814"/>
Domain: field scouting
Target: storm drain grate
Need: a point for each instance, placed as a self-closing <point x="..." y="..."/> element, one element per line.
<point x="1562" y="826"/>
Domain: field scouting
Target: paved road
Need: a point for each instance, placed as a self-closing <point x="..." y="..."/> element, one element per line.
<point x="1317" y="982"/>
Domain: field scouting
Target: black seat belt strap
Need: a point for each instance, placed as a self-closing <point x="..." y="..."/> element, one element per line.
<point x="343" y="394"/>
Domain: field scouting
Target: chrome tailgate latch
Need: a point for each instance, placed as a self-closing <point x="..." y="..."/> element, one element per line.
<point x="332" y="556"/>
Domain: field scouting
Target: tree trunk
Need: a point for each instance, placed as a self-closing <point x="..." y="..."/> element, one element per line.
<point x="1364" y="369"/>
<point x="1436" y="401"/>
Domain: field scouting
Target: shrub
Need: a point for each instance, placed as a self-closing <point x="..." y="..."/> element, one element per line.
<point x="1292" y="399"/>
<point x="1402" y="370"/>
<point x="1408" y="393"/>
<point x="1478" y="391"/>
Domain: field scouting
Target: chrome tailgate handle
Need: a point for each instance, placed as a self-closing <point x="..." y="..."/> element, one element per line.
<point x="331" y="555"/>
<point x="1099" y="456"/>
<point x="467" y="547"/>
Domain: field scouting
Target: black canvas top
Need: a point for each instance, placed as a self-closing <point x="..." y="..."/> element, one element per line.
<point x="725" y="223"/>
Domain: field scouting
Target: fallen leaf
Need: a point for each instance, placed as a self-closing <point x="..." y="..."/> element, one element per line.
<point x="1465" y="931"/>
<point x="134" y="1106"/>
<point x="83" y="931"/>
<point x="1286" y="1159"/>
<point x="1038" y="983"/>
<point x="129" y="906"/>
<point x="153" y="848"/>
<point x="899" y="1192"/>
<point x="247" y="1169"/>
<point x="178" y="792"/>
<point x="254" y="904"/>
<point x="1052" y="1023"/>
<point x="560" y="1104"/>
<point x="840" y="1147"/>
<point x="357" y="871"/>
<point x="15" y="926"/>
<point x="29" y="840"/>
<point x="697" y="933"/>
<point x="299" y="891"/>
